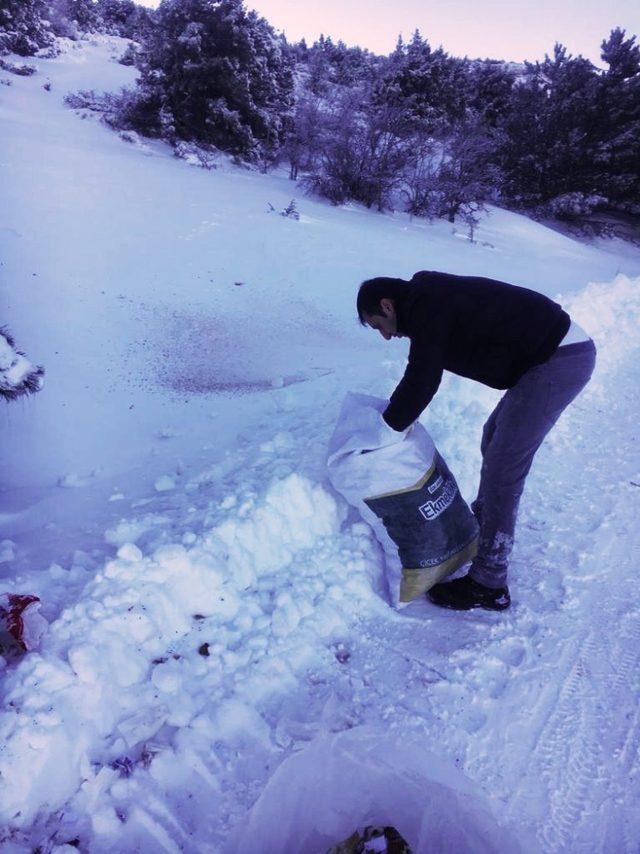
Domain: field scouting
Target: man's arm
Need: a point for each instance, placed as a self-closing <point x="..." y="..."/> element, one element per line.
<point x="418" y="385"/>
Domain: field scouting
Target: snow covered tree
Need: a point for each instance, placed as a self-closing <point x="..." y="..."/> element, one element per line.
<point x="467" y="176"/>
<point x="622" y="55"/>
<point x="362" y="153"/>
<point x="427" y="84"/>
<point x="23" y="27"/>
<point x="124" y="18"/>
<point x="302" y="140"/>
<point x="218" y="75"/>
<point x="549" y="132"/>
<point x="452" y="175"/>
<point x="617" y="153"/>
<point x="70" y="18"/>
<point x="571" y="137"/>
<point x="489" y="85"/>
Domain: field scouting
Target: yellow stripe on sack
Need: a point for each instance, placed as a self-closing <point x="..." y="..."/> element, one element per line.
<point x="413" y="488"/>
<point x="416" y="582"/>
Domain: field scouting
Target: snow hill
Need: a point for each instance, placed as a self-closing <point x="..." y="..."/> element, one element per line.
<point x="214" y="606"/>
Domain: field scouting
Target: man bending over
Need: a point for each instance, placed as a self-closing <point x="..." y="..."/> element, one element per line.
<point x="503" y="336"/>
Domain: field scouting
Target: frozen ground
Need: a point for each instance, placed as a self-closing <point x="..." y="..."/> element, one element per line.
<point x="212" y="603"/>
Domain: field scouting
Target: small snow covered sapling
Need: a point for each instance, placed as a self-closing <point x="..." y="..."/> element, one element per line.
<point x="17" y="375"/>
<point x="290" y="212"/>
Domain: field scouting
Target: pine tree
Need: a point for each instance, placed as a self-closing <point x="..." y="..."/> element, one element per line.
<point x="218" y="75"/>
<point x="125" y="18"/>
<point x="489" y="89"/>
<point x="617" y="114"/>
<point x="428" y="84"/>
<point x="550" y="133"/>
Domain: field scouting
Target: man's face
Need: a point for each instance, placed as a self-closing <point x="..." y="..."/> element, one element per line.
<point x="386" y="323"/>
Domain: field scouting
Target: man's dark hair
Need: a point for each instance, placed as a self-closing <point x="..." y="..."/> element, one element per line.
<point x="374" y="290"/>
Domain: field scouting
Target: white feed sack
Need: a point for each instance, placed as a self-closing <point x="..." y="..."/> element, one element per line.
<point x="405" y="491"/>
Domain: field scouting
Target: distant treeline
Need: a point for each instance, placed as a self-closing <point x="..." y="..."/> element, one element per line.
<point x="418" y="130"/>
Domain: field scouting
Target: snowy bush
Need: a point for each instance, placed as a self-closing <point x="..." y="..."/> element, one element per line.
<point x="291" y="211"/>
<point x="20" y="70"/>
<point x="129" y="136"/>
<point x="122" y="111"/>
<point x="574" y="205"/>
<point x="23" y="27"/>
<point x="17" y="375"/>
<point x="197" y="155"/>
<point x="87" y="99"/>
<point x="130" y="55"/>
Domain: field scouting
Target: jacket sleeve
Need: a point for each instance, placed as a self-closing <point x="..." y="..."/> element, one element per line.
<point x="419" y="383"/>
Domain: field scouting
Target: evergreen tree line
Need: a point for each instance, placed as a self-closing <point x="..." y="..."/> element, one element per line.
<point x="439" y="136"/>
<point x="418" y="130"/>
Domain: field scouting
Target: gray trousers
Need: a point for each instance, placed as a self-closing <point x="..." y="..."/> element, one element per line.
<point x="510" y="438"/>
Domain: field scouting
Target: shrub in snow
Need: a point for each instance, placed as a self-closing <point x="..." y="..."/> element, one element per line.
<point x="23" y="26"/>
<point x="17" y="375"/>
<point x="452" y="175"/>
<point x="290" y="212"/>
<point x="87" y="99"/>
<point x="21" y="70"/>
<point x="130" y="55"/>
<point x="574" y="205"/>
<point x="197" y="155"/>
<point x="129" y="136"/>
<point x="362" y="153"/>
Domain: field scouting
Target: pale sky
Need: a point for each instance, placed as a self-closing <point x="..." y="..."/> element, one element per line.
<point x="500" y="29"/>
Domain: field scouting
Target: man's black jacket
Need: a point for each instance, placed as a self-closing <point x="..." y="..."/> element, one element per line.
<point x="479" y="328"/>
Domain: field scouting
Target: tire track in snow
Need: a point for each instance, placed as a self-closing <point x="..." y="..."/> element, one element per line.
<point x="588" y="733"/>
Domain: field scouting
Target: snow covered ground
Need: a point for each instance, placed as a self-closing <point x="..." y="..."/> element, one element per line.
<point x="212" y="602"/>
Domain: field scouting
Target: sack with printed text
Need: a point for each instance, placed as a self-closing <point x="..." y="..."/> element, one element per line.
<point x="403" y="488"/>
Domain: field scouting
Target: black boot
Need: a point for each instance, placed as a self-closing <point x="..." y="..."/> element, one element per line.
<point x="464" y="593"/>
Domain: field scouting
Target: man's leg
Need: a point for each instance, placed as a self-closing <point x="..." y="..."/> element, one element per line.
<point x="487" y="435"/>
<point x="511" y="438"/>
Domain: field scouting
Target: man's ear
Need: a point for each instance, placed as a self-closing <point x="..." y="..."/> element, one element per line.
<point x="387" y="307"/>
